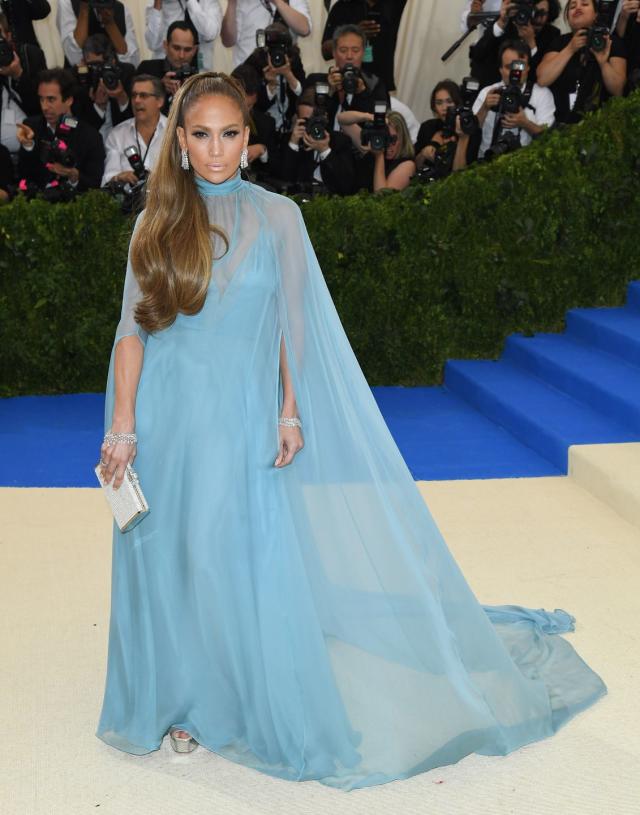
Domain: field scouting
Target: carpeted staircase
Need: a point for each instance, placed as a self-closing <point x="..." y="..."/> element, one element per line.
<point x="551" y="391"/>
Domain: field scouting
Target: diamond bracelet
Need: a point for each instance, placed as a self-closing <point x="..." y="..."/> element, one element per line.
<point x="295" y="422"/>
<point x="126" y="438"/>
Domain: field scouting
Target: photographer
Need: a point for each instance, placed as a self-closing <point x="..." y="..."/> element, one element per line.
<point x="440" y="136"/>
<point x="628" y="28"/>
<point x="144" y="132"/>
<point x="278" y="63"/>
<point x="379" y="20"/>
<point x="515" y="110"/>
<point x="57" y="150"/>
<point x="243" y="18"/>
<point x="19" y="67"/>
<point x="262" y="149"/>
<point x="179" y="63"/>
<point x="20" y="15"/>
<point x="79" y="19"/>
<point x="204" y="15"/>
<point x="584" y="67"/>
<point x="105" y="82"/>
<point x="384" y="142"/>
<point x="528" y="20"/>
<point x="314" y="154"/>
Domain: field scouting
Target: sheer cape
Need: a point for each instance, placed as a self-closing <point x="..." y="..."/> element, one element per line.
<point x="328" y="633"/>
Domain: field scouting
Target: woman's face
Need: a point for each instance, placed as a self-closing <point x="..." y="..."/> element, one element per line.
<point x="441" y="103"/>
<point x="394" y="143"/>
<point x="581" y="14"/>
<point x="214" y="135"/>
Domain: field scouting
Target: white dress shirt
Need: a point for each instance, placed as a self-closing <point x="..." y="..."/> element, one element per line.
<point x="10" y="115"/>
<point x="206" y="16"/>
<point x="66" y="21"/>
<point x="252" y="15"/>
<point x="123" y="136"/>
<point x="542" y="111"/>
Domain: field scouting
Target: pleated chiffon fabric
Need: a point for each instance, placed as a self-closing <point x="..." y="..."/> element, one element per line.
<point x="308" y="622"/>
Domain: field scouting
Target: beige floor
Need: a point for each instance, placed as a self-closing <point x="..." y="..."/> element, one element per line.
<point x="538" y="542"/>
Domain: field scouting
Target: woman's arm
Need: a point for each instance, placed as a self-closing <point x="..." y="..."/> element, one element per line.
<point x="129" y="355"/>
<point x="398" y="178"/>
<point x="290" y="437"/>
<point x="614" y="74"/>
<point x="229" y="29"/>
<point x="296" y="21"/>
<point x="554" y="62"/>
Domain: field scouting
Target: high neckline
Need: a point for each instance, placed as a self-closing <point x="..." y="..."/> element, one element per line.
<point x="231" y="185"/>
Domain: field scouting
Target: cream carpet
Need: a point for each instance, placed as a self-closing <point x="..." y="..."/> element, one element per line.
<point x="538" y="542"/>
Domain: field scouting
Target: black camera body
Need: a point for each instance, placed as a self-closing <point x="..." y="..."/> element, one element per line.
<point x="317" y="125"/>
<point x="511" y="97"/>
<point x="350" y="76"/>
<point x="277" y="43"/>
<point x="468" y="120"/>
<point x="184" y="72"/>
<point x="110" y="73"/>
<point x="56" y="151"/>
<point x="507" y="142"/>
<point x="375" y="134"/>
<point x="6" y="52"/>
<point x="524" y="12"/>
<point x="597" y="37"/>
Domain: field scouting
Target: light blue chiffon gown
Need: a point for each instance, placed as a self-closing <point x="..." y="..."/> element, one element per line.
<point x="308" y="622"/>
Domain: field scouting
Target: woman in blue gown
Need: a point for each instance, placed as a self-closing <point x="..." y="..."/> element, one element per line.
<point x="292" y="608"/>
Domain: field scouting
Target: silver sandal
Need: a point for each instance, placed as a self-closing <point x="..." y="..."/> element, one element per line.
<point x="181" y="744"/>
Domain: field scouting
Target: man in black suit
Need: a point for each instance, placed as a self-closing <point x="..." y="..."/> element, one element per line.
<point x="20" y="15"/>
<point x="181" y="49"/>
<point x="328" y="161"/>
<point x="105" y="86"/>
<point x="55" y="148"/>
<point x="262" y="151"/>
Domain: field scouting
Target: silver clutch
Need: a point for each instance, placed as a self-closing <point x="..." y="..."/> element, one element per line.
<point x="128" y="504"/>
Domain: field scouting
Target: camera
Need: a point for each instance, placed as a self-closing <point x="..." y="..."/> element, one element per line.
<point x="468" y="121"/>
<point x="56" y="151"/>
<point x="278" y="44"/>
<point x="376" y="133"/>
<point x="440" y="167"/>
<point x="350" y="76"/>
<point x="507" y="142"/>
<point x="511" y="98"/>
<point x="317" y="125"/>
<point x="598" y="33"/>
<point x="6" y="52"/>
<point x="523" y="12"/>
<point x="184" y="72"/>
<point x="133" y="157"/>
<point x="110" y="73"/>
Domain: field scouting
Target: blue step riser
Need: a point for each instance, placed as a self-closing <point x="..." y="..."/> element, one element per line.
<point x="525" y="428"/>
<point x="570" y="381"/>
<point x="633" y="295"/>
<point x="583" y="329"/>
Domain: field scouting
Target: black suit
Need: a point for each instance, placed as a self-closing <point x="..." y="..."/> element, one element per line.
<point x="84" y="108"/>
<point x="83" y="140"/>
<point x="375" y="91"/>
<point x="20" y="14"/>
<point x="258" y="60"/>
<point x="6" y="169"/>
<point x="337" y="169"/>
<point x="24" y="91"/>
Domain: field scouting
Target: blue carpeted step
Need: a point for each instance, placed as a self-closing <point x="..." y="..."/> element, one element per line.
<point x="603" y="381"/>
<point x="616" y="330"/>
<point x="538" y="414"/>
<point x="633" y="295"/>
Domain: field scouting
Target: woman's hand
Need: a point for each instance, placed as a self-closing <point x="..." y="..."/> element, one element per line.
<point x="578" y="41"/>
<point x="291" y="442"/>
<point x="603" y="56"/>
<point x="115" y="458"/>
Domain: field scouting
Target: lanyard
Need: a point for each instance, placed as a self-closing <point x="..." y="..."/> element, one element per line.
<point x="144" y="158"/>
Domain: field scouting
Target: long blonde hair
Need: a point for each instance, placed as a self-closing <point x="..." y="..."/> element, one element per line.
<point x="405" y="145"/>
<point x="171" y="255"/>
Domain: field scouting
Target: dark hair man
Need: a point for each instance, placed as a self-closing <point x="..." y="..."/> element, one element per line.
<point x="180" y="61"/>
<point x="204" y="15"/>
<point x="379" y="20"/>
<point x="77" y="20"/>
<point x="56" y="148"/>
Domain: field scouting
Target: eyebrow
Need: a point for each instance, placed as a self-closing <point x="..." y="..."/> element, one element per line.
<point x="226" y="127"/>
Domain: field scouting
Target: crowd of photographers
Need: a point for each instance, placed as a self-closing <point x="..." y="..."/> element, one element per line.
<point x="97" y="122"/>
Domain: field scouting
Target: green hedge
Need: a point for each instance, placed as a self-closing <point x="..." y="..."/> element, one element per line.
<point x="436" y="272"/>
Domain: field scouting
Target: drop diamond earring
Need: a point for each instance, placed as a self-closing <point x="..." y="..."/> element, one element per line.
<point x="244" y="159"/>
<point x="185" y="160"/>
